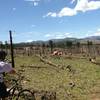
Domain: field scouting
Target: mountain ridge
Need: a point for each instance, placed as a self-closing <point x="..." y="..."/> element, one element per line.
<point x="82" y="40"/>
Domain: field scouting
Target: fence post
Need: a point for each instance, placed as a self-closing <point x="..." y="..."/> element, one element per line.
<point x="11" y="48"/>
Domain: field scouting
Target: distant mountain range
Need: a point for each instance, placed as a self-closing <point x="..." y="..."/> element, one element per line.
<point x="94" y="39"/>
<point x="91" y="38"/>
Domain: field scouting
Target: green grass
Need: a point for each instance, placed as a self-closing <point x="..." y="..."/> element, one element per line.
<point x="86" y="77"/>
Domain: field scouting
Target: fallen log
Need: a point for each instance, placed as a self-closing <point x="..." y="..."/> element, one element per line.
<point x="48" y="62"/>
<point x="97" y="63"/>
<point x="94" y="61"/>
<point x="32" y="66"/>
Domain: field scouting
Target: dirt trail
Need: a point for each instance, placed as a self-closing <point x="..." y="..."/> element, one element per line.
<point x="95" y="96"/>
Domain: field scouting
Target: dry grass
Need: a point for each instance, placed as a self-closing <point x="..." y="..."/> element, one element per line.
<point x="77" y="84"/>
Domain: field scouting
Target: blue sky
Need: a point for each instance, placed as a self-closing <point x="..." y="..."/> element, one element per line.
<point x="32" y="20"/>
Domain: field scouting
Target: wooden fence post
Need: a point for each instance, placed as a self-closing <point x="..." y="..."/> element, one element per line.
<point x="11" y="48"/>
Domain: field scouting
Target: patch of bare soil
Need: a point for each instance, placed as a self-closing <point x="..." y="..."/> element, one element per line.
<point x="95" y="96"/>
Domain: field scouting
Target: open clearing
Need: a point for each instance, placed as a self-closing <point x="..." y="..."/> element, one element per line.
<point x="82" y="82"/>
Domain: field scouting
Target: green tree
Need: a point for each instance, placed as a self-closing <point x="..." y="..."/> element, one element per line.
<point x="1" y="45"/>
<point x="6" y="46"/>
<point x="69" y="45"/>
<point x="89" y="45"/>
<point x="51" y="45"/>
<point x="43" y="47"/>
<point x="78" y="46"/>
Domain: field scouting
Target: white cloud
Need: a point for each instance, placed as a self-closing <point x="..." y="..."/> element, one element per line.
<point x="64" y="35"/>
<point x="96" y="33"/>
<point x="35" y="2"/>
<point x="51" y="14"/>
<point x="58" y="35"/>
<point x="98" y="29"/>
<point x="13" y="9"/>
<point x="72" y="1"/>
<point x="67" y="12"/>
<point x="29" y="40"/>
<point x="64" y="12"/>
<point x="33" y="26"/>
<point x="81" y="6"/>
<point x="32" y="0"/>
<point x="85" y="5"/>
<point x="48" y="35"/>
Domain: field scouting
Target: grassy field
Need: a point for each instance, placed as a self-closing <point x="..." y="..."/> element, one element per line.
<point x="82" y="82"/>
